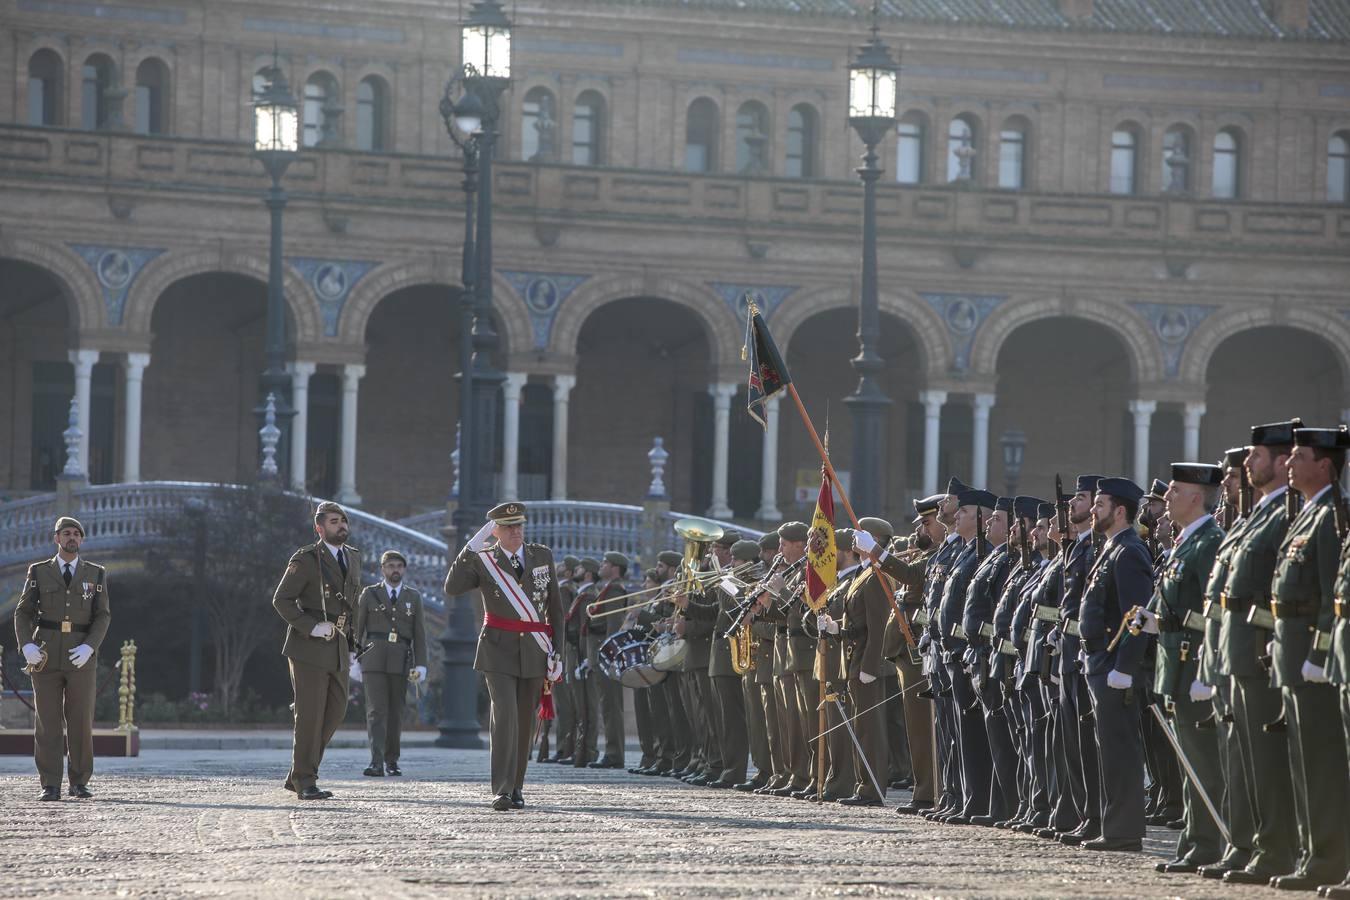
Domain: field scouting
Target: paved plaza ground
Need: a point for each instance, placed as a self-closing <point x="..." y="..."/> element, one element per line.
<point x="216" y="823"/>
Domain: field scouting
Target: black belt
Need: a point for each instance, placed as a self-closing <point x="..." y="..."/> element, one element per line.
<point x="797" y="632"/>
<point x="856" y="632"/>
<point x="1094" y="645"/>
<point x="384" y="636"/>
<point x="56" y="626"/>
<point x="320" y="614"/>
<point x="1293" y="609"/>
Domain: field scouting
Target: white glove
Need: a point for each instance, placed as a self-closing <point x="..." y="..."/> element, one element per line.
<point x="1146" y="621"/>
<point x="354" y="671"/>
<point x="322" y="630"/>
<point x="1314" y="674"/>
<point x="1119" y="681"/>
<point x="1200" y="692"/>
<point x="582" y="669"/>
<point x="827" y="624"/>
<point x="32" y="653"/>
<point x="479" y="540"/>
<point x="81" y="654"/>
<point x="1270" y="647"/>
<point x="553" y="670"/>
<point x="865" y="678"/>
<point x="1082" y="659"/>
<point x="863" y="542"/>
<point x="419" y="674"/>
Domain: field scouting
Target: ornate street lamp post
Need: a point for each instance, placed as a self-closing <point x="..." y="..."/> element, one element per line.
<point x="470" y="109"/>
<point x="872" y="83"/>
<point x="1014" y="444"/>
<point x="276" y="142"/>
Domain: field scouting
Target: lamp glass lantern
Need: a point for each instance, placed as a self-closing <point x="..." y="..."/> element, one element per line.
<point x="486" y="41"/>
<point x="276" y="116"/>
<point x="1014" y="444"/>
<point x="873" y="79"/>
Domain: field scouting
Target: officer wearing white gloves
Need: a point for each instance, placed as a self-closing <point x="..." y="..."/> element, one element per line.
<point x="63" y="612"/>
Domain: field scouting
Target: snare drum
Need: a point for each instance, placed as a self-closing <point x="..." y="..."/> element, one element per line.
<point x="668" y="653"/>
<point x="625" y="657"/>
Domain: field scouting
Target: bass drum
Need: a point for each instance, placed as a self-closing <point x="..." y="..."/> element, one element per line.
<point x="625" y="658"/>
<point x="668" y="653"/>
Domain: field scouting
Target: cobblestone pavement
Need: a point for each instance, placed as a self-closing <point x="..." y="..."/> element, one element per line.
<point x="213" y="823"/>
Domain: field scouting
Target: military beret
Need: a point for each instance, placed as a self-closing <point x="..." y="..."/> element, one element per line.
<point x="956" y="486"/>
<point x="793" y="531"/>
<point x="1322" y="438"/>
<point x="1235" y="456"/>
<point x="392" y="554"/>
<point x="928" y="505"/>
<point x="976" y="497"/>
<point x="615" y="558"/>
<point x="591" y="564"/>
<point x="570" y="562"/>
<point x="328" y="506"/>
<point x="728" y="538"/>
<point x="769" y="541"/>
<point x="843" y="539"/>
<point x="745" y="551"/>
<point x="880" y="529"/>
<point x="1120" y="488"/>
<point x="1045" y="511"/>
<point x="1004" y="503"/>
<point x="1027" y="507"/>
<point x="669" y="558"/>
<point x="1157" y="489"/>
<point x="1275" y="434"/>
<point x="509" y="513"/>
<point x="68" y="522"/>
<point x="1087" y="483"/>
<point x="1197" y="473"/>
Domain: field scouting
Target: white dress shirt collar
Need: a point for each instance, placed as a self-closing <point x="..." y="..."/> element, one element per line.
<point x="1273" y="495"/>
<point x="1190" y="530"/>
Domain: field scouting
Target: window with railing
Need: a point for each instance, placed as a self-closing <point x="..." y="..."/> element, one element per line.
<point x="45" y="88"/>
<point x="1012" y="154"/>
<point x="372" y="114"/>
<point x="1124" y="160"/>
<point x="702" y="131"/>
<point x="909" y="155"/>
<point x="961" y="149"/>
<point x="1176" y="159"/>
<point x="801" y="141"/>
<point x="1227" y="165"/>
<point x="538" y="125"/>
<point x="752" y="139"/>
<point x="96" y="80"/>
<point x="588" y="129"/>
<point x="152" y="92"/>
<point x="320" y="110"/>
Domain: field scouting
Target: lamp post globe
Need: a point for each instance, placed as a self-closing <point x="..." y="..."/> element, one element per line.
<point x="1014" y="446"/>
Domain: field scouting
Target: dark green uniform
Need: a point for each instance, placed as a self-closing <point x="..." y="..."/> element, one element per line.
<point x="394" y="630"/>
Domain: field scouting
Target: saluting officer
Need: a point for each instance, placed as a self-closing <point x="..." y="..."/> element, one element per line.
<point x="317" y="598"/>
<point x="522" y="616"/>
<point x="61" y="620"/>
<point x="389" y="622"/>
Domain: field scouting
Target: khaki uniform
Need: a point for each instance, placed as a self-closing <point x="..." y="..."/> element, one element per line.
<point x="396" y="635"/>
<point x="908" y="570"/>
<point x="604" y="695"/>
<point x="59" y="618"/>
<point x="513" y="664"/>
<point x="700" y="620"/>
<point x="312" y="590"/>
<point x="564" y="692"/>
<point x="863" y="630"/>
<point x="729" y="694"/>
<point x="585" y="694"/>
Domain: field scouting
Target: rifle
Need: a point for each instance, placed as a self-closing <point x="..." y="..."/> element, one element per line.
<point x="1244" y="504"/>
<point x="979" y="534"/>
<point x="1338" y="511"/>
<point x="1292" y="500"/>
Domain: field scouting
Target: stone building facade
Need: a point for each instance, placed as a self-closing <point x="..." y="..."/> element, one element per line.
<point x="1120" y="228"/>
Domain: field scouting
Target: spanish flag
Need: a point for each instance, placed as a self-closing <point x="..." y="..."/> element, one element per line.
<point x="821" y="552"/>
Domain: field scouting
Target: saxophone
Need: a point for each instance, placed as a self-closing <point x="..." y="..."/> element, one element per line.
<point x="743" y="648"/>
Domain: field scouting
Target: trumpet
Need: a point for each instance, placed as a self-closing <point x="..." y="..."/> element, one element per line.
<point x="41" y="664"/>
<point x="702" y="579"/>
<point x="752" y="591"/>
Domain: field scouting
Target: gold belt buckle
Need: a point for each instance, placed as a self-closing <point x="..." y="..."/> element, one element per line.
<point x="393" y="637"/>
<point x="65" y="627"/>
<point x="1339" y="608"/>
<point x="341" y="622"/>
<point x="1223" y="600"/>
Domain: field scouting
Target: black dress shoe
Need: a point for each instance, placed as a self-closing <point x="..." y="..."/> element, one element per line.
<point x="856" y="800"/>
<point x="912" y="808"/>
<point x="720" y="784"/>
<point x="517" y="800"/>
<point x="1214" y="870"/>
<point x="901" y="784"/>
<point x="374" y="772"/>
<point x="956" y="819"/>
<point x="806" y="793"/>
<point x="393" y="769"/>
<point x="1247" y="876"/>
<point x="563" y="760"/>
<point x="1175" y="824"/>
<point x="50" y="793"/>
<point x="501" y="803"/>
<point x="1297" y="882"/>
<point x="700" y="780"/>
<point x="1049" y="834"/>
<point x="784" y="791"/>
<point x="1122" y="845"/>
<point x="313" y="793"/>
<point x="1335" y="891"/>
<point x="986" y="821"/>
<point x="80" y="792"/>
<point x="1177" y="867"/>
<point x="636" y="770"/>
<point x="829" y="797"/>
<point x="605" y="764"/>
<point x="753" y="784"/>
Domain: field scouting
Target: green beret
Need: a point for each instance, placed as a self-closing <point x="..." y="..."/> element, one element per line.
<point x="570" y="561"/>
<point x="877" y="528"/>
<point x="591" y="564"/>
<point x="745" y="551"/>
<point x="769" y="541"/>
<point x="615" y="558"/>
<point x="68" y="522"/>
<point x="392" y="554"/>
<point x="328" y="506"/>
<point x="843" y="539"/>
<point x="793" y="531"/>
<point x="669" y="558"/>
<point x="728" y="538"/>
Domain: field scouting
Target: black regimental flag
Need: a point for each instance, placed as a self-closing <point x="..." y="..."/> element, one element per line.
<point x="768" y="374"/>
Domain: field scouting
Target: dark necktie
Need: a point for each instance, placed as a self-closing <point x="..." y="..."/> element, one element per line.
<point x="69" y="575"/>
<point x="518" y="566"/>
<point x="342" y="562"/>
<point x="393" y="597"/>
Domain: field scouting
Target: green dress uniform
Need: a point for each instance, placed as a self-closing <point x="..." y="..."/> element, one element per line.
<point x="586" y="697"/>
<point x="1338" y="663"/>
<point x="761" y="714"/>
<point x="729" y="696"/>
<point x="314" y="589"/>
<point x="840" y="777"/>
<point x="564" y="692"/>
<point x="863" y="629"/>
<point x="603" y="694"/>
<point x="59" y="617"/>
<point x="700" y="620"/>
<point x="908" y="570"/>
<point x="1178" y="603"/>
<point x="513" y="664"/>
<point x="1302" y="603"/>
<point x="389" y="620"/>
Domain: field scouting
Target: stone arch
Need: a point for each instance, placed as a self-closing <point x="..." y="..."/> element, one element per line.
<point x="84" y="295"/>
<point x="394" y="276"/>
<point x="1145" y="356"/>
<point x="927" y="326"/>
<point x="175" y="266"/>
<point x="1333" y="329"/>
<point x="720" y="324"/>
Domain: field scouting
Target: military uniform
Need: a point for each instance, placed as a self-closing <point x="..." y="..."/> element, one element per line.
<point x="564" y="692"/>
<point x="700" y="618"/>
<point x="840" y="769"/>
<point x="1024" y="708"/>
<point x="317" y="586"/>
<point x="512" y="661"/>
<point x="577" y="670"/>
<point x="866" y="608"/>
<point x="1302" y="602"/>
<point x="390" y="622"/>
<point x="727" y="683"/>
<point x="1338" y="663"/>
<point x="58" y="616"/>
<point x="940" y="686"/>
<point x="908" y="569"/>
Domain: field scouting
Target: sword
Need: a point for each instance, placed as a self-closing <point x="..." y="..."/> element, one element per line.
<point x="1190" y="770"/>
<point x="872" y="707"/>
<point x="848" y="723"/>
